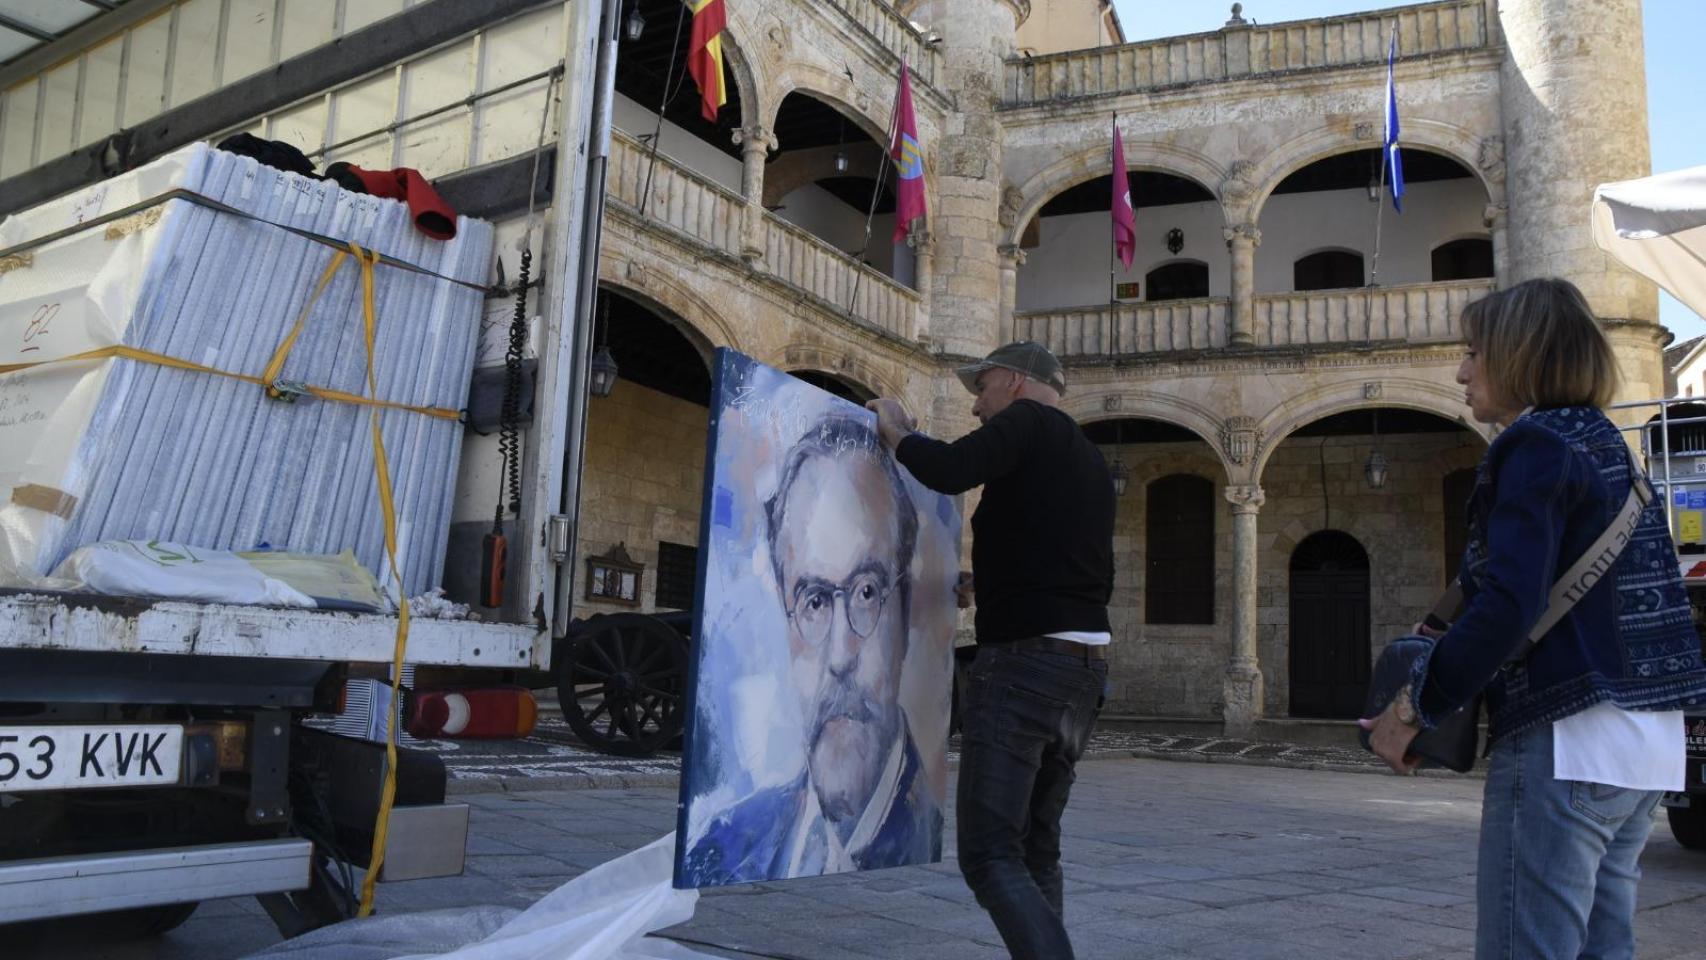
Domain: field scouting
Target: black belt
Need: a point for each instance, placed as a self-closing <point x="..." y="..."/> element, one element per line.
<point x="1070" y="648"/>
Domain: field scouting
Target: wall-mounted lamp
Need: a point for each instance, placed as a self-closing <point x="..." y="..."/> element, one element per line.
<point x="1375" y="470"/>
<point x="1117" y="470"/>
<point x="635" y="24"/>
<point x="603" y="364"/>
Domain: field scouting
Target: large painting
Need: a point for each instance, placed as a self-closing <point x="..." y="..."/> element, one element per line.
<point x="817" y="733"/>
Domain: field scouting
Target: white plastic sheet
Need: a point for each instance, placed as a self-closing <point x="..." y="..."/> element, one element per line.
<point x="603" y="914"/>
<point x="139" y="568"/>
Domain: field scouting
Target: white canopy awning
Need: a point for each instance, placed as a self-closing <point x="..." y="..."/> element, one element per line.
<point x="1656" y="226"/>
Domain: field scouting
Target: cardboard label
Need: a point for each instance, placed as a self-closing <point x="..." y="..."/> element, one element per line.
<point x="43" y="498"/>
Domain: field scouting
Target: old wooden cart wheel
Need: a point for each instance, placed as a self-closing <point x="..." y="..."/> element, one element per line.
<point x="622" y="682"/>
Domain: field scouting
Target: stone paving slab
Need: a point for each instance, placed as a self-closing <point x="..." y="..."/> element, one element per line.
<point x="1163" y="860"/>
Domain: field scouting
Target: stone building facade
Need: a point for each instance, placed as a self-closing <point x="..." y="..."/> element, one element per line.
<point x="1245" y="373"/>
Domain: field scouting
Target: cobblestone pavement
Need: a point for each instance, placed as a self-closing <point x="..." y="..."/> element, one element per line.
<point x="1193" y="861"/>
<point x="554" y="757"/>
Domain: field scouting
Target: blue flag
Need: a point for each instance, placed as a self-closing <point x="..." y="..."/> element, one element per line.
<point x="1393" y="161"/>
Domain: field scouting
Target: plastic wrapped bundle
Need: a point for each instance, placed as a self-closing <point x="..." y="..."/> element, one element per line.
<point x="123" y="445"/>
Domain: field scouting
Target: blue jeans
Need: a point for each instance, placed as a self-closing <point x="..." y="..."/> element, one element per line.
<point x="1025" y="720"/>
<point x="1558" y="862"/>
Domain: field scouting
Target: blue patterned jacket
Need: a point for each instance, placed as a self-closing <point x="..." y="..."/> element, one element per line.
<point x="1549" y="485"/>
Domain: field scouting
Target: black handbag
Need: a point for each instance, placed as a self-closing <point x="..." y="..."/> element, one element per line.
<point x="1451" y="743"/>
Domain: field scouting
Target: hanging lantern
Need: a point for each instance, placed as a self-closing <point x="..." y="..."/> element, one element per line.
<point x="603" y="372"/>
<point x="635" y="24"/>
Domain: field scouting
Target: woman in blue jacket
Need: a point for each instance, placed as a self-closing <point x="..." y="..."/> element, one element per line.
<point x="1586" y="730"/>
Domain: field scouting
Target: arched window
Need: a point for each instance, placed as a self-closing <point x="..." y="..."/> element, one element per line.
<point x="1179" y="549"/>
<point x="1327" y="270"/>
<point x="1454" y="490"/>
<point x="1466" y="259"/>
<point x="1179" y="280"/>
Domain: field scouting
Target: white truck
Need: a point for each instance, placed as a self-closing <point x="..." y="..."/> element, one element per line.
<point x="153" y="754"/>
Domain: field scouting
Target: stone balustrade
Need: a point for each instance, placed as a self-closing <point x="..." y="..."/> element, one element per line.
<point x="708" y="214"/>
<point x="680" y="200"/>
<point x="1413" y="313"/>
<point x="1246" y="51"/>
<point x="879" y="21"/>
<point x="1407" y="313"/>
<point x="1126" y="328"/>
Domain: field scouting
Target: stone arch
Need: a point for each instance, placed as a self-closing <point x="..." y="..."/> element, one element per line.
<point x="1028" y="198"/>
<point x="687" y="311"/>
<point x="835" y="362"/>
<point x="1434" y="136"/>
<point x="1410" y="393"/>
<point x="748" y="71"/>
<point x="836" y="91"/>
<point x="1114" y="403"/>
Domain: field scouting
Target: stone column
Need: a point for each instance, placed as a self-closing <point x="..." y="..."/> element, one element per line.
<point x="1494" y="219"/>
<point x="964" y="169"/>
<point x="923" y="265"/>
<point x="756" y="144"/>
<point x="1012" y="258"/>
<point x="1242" y="685"/>
<point x="1241" y="242"/>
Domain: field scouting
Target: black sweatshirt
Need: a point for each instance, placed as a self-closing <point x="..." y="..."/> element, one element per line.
<point x="1043" y="535"/>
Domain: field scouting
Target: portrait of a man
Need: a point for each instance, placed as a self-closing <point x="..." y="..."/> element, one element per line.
<point x="816" y="745"/>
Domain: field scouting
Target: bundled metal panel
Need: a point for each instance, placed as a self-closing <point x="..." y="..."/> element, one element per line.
<point x="127" y="448"/>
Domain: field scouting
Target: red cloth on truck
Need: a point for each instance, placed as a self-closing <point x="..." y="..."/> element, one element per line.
<point x="433" y="216"/>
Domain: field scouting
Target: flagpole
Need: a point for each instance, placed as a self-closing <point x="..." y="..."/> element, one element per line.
<point x="657" y="134"/>
<point x="1385" y="158"/>
<point x="876" y="194"/>
<point x="1113" y="243"/>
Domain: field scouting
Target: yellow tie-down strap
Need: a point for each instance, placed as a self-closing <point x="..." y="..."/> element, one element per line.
<point x="269" y="379"/>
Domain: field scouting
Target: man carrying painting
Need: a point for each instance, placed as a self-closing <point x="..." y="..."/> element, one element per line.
<point x="1042" y="566"/>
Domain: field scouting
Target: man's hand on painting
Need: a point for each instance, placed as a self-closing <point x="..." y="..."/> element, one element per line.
<point x="893" y="422"/>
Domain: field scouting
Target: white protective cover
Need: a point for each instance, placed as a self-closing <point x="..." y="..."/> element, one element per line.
<point x="603" y="914"/>
<point x="1656" y="226"/>
<point x="136" y="568"/>
<point x="117" y="449"/>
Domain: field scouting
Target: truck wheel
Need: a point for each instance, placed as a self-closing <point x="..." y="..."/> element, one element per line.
<point x="1688" y="824"/>
<point x="621" y="683"/>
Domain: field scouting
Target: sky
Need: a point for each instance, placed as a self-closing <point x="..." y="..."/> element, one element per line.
<point x="1676" y="72"/>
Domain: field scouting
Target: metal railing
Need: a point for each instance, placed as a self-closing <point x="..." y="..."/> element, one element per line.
<point x="1240" y="52"/>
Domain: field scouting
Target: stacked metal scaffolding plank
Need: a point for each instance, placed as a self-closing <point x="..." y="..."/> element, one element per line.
<point x="205" y="460"/>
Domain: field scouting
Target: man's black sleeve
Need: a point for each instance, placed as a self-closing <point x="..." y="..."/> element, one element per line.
<point x="990" y="451"/>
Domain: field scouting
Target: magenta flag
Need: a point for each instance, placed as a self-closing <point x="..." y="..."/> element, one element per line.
<point x="1125" y="216"/>
<point x="908" y="160"/>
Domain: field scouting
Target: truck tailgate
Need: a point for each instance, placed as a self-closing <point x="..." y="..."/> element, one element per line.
<point x="114" y="624"/>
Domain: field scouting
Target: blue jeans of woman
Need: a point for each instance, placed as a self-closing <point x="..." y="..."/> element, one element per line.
<point x="1558" y="863"/>
<point x="1025" y="720"/>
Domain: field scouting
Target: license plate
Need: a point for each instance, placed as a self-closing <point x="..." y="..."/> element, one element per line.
<point x="81" y="756"/>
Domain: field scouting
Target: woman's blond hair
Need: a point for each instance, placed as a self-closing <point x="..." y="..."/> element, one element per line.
<point x="1540" y="346"/>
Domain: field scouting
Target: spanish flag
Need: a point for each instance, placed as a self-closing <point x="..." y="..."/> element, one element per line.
<point x="705" y="55"/>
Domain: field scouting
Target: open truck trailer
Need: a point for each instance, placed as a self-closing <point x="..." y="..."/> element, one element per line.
<point x="154" y="754"/>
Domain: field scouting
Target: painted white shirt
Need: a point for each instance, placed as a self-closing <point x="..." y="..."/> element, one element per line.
<point x="1636" y="749"/>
